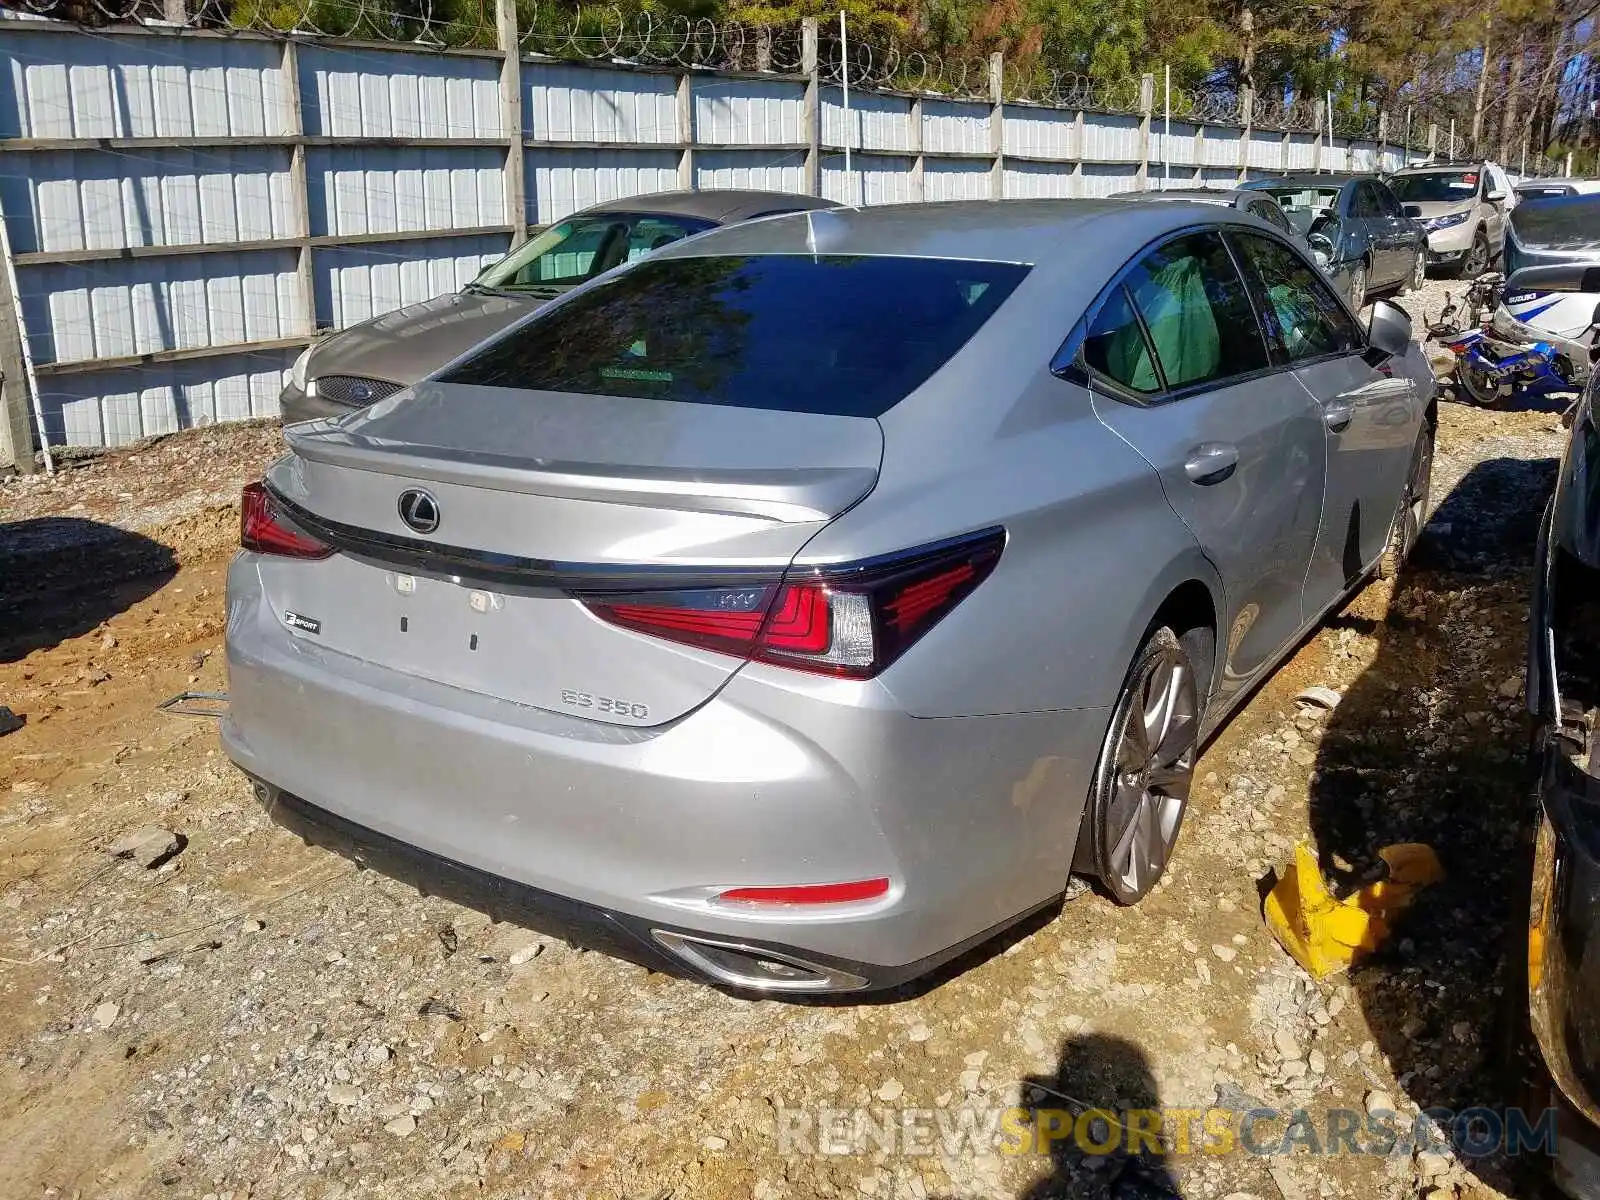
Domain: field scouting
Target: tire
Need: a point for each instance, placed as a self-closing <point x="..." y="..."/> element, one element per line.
<point x="1477" y="259"/>
<point x="1140" y="792"/>
<point x="1412" y="512"/>
<point x="1358" y="286"/>
<point x="1477" y="387"/>
<point x="1417" y="277"/>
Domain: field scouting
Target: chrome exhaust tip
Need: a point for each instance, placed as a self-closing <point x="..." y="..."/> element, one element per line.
<point x="754" y="967"/>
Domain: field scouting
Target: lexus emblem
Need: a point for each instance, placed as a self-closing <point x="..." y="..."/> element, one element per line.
<point x="361" y="392"/>
<point x="419" y="510"/>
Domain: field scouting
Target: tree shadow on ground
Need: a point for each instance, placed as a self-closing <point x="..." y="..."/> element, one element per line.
<point x="1428" y="745"/>
<point x="60" y="577"/>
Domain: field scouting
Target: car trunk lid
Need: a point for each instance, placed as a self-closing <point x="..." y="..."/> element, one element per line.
<point x="539" y="495"/>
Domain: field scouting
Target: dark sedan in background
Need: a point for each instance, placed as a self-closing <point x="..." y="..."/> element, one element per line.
<point x="1356" y="227"/>
<point x="378" y="358"/>
<point x="1563" y="949"/>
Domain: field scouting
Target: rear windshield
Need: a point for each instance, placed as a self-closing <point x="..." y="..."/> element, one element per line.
<point x="840" y="335"/>
<point x="1558" y="223"/>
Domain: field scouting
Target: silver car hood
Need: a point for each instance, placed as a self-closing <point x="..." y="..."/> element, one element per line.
<point x="411" y="343"/>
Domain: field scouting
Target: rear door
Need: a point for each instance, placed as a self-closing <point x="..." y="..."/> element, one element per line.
<point x="677" y="432"/>
<point x="1369" y="415"/>
<point x="1179" y="369"/>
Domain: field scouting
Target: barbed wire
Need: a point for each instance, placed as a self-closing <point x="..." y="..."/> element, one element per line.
<point x="616" y="34"/>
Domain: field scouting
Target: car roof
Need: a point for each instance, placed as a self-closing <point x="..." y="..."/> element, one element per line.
<point x="1312" y="179"/>
<point x="721" y="205"/>
<point x="1020" y="231"/>
<point x="1438" y="168"/>
<point x="1200" y="195"/>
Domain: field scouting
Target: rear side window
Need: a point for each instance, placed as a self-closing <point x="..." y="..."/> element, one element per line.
<point x="1365" y="202"/>
<point x="1115" y="346"/>
<point x="1195" y="307"/>
<point x="1302" y="317"/>
<point x="1271" y="214"/>
<point x="840" y="335"/>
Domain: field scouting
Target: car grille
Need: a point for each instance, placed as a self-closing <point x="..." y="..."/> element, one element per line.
<point x="354" y="389"/>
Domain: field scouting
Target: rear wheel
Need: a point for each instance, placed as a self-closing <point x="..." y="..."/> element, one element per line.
<point x="1477" y="385"/>
<point x="1412" y="514"/>
<point x="1358" y="286"/>
<point x="1141" y="786"/>
<point x="1418" y="276"/>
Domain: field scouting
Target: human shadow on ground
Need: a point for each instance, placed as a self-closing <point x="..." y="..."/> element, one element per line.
<point x="60" y="577"/>
<point x="1428" y="745"/>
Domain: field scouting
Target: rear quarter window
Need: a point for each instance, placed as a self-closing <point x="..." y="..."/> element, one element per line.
<point x="830" y="334"/>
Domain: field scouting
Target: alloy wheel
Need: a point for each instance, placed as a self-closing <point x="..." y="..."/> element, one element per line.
<point x="1477" y="261"/>
<point x="1147" y="770"/>
<point x="1412" y="514"/>
<point x="1358" y="286"/>
<point x="1419" y="273"/>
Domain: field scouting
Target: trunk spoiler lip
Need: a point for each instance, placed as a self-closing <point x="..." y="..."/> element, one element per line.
<point x="590" y="579"/>
<point x="773" y="495"/>
<point x="495" y="569"/>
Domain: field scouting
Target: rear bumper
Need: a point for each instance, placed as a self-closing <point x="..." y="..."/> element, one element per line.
<point x="777" y="779"/>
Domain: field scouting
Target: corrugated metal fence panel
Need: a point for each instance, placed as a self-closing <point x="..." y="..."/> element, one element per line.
<point x="560" y="182"/>
<point x="1335" y="157"/>
<point x="586" y="104"/>
<point x="1220" y="147"/>
<point x="750" y="169"/>
<point x="1176" y="148"/>
<point x="874" y="179"/>
<point x="748" y="111"/>
<point x="77" y="311"/>
<point x="98" y="200"/>
<point x="1363" y="156"/>
<point x="1393" y="158"/>
<point x="954" y="126"/>
<point x="356" y="283"/>
<point x="946" y="179"/>
<point x="1266" y="150"/>
<point x="68" y="85"/>
<point x="1105" y="179"/>
<point x="1038" y="181"/>
<point x="876" y="122"/>
<point x="116" y="407"/>
<point x="1108" y="137"/>
<point x="1302" y="151"/>
<point x="1040" y="132"/>
<point x="376" y="189"/>
<point x="387" y="93"/>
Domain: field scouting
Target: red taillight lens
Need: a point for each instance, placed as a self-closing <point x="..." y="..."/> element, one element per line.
<point x="262" y="528"/>
<point x="853" y="892"/>
<point x="851" y="621"/>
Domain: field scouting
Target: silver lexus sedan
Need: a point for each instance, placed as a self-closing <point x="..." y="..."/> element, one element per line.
<point x="806" y="602"/>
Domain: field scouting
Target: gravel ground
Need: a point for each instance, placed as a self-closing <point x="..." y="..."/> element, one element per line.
<point x="251" y="1016"/>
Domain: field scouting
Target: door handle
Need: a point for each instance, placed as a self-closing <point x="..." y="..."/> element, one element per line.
<point x="1211" y="462"/>
<point x="1337" y="414"/>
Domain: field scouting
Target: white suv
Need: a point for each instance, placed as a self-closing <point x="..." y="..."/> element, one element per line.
<point x="1463" y="208"/>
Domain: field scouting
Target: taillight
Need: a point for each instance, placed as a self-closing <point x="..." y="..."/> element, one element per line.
<point x="852" y="892"/>
<point x="851" y="620"/>
<point x="263" y="529"/>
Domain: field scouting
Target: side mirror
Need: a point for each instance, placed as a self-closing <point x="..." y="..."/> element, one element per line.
<point x="1321" y="247"/>
<point x="1412" y="210"/>
<point x="1496" y="196"/>
<point x="1389" y="331"/>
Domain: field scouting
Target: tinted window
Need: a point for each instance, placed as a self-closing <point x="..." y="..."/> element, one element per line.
<point x="1560" y="223"/>
<point x="1364" y="203"/>
<point x="1390" y="203"/>
<point x="1271" y="214"/>
<point x="1305" y="206"/>
<point x="1302" y="317"/>
<point x="1116" y="347"/>
<point x="1197" y="312"/>
<point x="582" y="247"/>
<point x="833" y="334"/>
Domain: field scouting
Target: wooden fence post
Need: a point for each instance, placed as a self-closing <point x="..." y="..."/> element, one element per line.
<point x="1147" y="100"/>
<point x="813" y="103"/>
<point x="1247" y="99"/>
<point x="997" y="126"/>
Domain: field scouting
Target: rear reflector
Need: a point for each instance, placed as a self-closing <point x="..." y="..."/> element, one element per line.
<point x="262" y="528"/>
<point x="810" y="893"/>
<point x="851" y="620"/>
